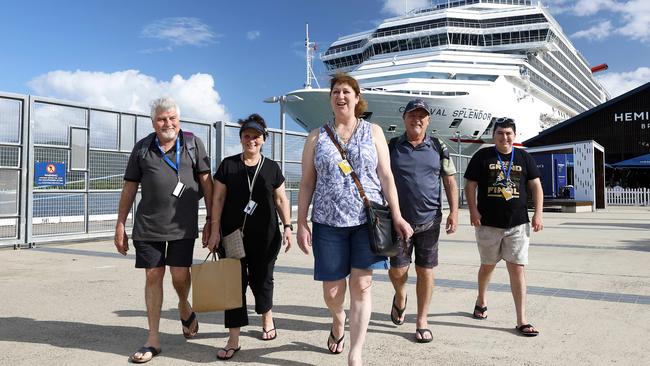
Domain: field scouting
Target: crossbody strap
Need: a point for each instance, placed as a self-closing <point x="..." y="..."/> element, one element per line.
<point x="362" y="193"/>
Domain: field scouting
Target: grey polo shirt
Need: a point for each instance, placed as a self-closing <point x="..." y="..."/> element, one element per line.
<point x="160" y="216"/>
<point x="417" y="172"/>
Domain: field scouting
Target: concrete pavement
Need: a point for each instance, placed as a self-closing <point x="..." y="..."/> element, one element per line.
<point x="589" y="295"/>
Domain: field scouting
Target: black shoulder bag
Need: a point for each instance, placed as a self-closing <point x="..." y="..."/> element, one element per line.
<point x="380" y="223"/>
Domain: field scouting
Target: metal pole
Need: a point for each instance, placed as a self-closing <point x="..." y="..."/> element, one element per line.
<point x="460" y="166"/>
<point x="283" y="99"/>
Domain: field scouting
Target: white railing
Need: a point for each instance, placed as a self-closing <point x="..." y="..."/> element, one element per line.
<point x="628" y="197"/>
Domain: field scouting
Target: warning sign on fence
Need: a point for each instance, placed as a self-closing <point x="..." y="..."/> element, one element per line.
<point x="49" y="174"/>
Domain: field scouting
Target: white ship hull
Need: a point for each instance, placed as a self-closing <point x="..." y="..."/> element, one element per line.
<point x="475" y="110"/>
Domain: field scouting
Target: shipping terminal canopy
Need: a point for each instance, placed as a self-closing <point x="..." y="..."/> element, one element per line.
<point x="642" y="161"/>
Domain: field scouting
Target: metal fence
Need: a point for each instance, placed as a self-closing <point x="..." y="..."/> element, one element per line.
<point x="92" y="146"/>
<point x="628" y="197"/>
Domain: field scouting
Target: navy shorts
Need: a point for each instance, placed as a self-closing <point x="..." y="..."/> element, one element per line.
<point x="151" y="254"/>
<point x="425" y="243"/>
<point x="339" y="249"/>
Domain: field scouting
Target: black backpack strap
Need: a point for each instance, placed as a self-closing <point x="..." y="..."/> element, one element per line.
<point x="189" y="140"/>
<point x="438" y="145"/>
<point x="146" y="142"/>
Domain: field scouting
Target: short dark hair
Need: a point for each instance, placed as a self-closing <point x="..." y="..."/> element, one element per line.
<point x="505" y="122"/>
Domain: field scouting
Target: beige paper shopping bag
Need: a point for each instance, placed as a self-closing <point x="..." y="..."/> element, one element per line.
<point x="216" y="284"/>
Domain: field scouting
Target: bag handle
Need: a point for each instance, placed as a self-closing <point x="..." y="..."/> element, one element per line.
<point x="362" y="193"/>
<point x="214" y="256"/>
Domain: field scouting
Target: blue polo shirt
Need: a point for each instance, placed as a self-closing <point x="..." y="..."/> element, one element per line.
<point x="417" y="171"/>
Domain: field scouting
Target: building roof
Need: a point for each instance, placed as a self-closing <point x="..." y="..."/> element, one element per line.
<point x="587" y="113"/>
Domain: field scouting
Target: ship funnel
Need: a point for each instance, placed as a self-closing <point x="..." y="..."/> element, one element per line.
<point x="598" y="68"/>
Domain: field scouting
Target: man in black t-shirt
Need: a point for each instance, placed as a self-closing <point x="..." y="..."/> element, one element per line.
<point x="502" y="175"/>
<point x="173" y="169"/>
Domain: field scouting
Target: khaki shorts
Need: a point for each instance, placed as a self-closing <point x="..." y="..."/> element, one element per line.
<point x="509" y="244"/>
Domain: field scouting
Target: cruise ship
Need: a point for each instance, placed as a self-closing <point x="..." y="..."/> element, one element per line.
<point x="472" y="61"/>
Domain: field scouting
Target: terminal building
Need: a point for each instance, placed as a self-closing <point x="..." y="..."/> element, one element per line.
<point x="621" y="126"/>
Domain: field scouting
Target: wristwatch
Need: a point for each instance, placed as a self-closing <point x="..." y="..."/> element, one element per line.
<point x="290" y="226"/>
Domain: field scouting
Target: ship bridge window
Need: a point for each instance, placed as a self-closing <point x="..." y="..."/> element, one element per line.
<point x="488" y="129"/>
<point x="455" y="123"/>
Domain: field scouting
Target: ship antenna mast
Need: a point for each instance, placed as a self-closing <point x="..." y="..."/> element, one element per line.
<point x="310" y="47"/>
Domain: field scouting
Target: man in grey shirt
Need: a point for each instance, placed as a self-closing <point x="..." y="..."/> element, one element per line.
<point x="419" y="163"/>
<point x="173" y="170"/>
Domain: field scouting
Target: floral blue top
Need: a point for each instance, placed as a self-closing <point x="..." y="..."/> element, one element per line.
<point x="336" y="199"/>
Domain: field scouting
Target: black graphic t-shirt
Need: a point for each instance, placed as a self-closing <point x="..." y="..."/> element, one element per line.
<point x="491" y="175"/>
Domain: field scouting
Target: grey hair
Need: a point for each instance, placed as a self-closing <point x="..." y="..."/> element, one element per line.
<point x="164" y="104"/>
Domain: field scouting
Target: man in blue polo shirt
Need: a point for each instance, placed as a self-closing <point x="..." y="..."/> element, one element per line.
<point x="419" y="163"/>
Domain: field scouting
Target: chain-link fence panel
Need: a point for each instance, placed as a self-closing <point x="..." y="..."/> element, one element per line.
<point x="58" y="213"/>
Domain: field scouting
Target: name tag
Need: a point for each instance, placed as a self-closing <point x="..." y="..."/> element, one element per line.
<point x="345" y="167"/>
<point x="250" y="207"/>
<point x="506" y="193"/>
<point x="179" y="189"/>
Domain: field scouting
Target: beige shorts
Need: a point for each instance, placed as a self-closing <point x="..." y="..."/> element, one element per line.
<point x="509" y="244"/>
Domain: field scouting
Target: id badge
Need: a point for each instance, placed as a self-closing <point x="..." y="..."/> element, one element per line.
<point x="506" y="193"/>
<point x="179" y="189"/>
<point x="345" y="167"/>
<point x="250" y="207"/>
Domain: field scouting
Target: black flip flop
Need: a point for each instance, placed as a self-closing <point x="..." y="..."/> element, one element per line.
<point x="399" y="312"/>
<point x="337" y="342"/>
<point x="264" y="331"/>
<point x="481" y="310"/>
<point x="226" y="357"/>
<point x="532" y="332"/>
<point x="143" y="351"/>
<point x="187" y="324"/>
<point x="422" y="332"/>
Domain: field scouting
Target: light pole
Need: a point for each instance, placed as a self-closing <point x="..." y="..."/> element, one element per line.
<point x="460" y="168"/>
<point x="282" y="99"/>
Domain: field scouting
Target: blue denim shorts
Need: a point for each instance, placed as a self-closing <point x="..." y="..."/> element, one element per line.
<point x="339" y="249"/>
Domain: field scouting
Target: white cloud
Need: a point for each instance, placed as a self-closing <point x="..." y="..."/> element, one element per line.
<point x="622" y="82"/>
<point x="628" y="18"/>
<point x="254" y="34"/>
<point x="133" y="91"/>
<point x="599" y="31"/>
<point x="591" y="7"/>
<point x="400" y="7"/>
<point x="636" y="16"/>
<point x="180" y="31"/>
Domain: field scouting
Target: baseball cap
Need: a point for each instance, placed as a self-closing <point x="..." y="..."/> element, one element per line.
<point x="415" y="104"/>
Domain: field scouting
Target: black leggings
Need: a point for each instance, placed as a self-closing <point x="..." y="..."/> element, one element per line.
<point x="258" y="274"/>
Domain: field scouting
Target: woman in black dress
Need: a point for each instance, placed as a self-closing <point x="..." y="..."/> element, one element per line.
<point x="234" y="179"/>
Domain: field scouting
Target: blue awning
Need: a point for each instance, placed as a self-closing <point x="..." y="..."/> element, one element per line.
<point x="642" y="161"/>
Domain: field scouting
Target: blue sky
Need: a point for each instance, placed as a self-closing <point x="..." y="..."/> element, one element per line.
<point x="220" y="59"/>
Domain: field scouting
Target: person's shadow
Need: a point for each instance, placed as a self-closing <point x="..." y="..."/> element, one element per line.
<point x="124" y="340"/>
